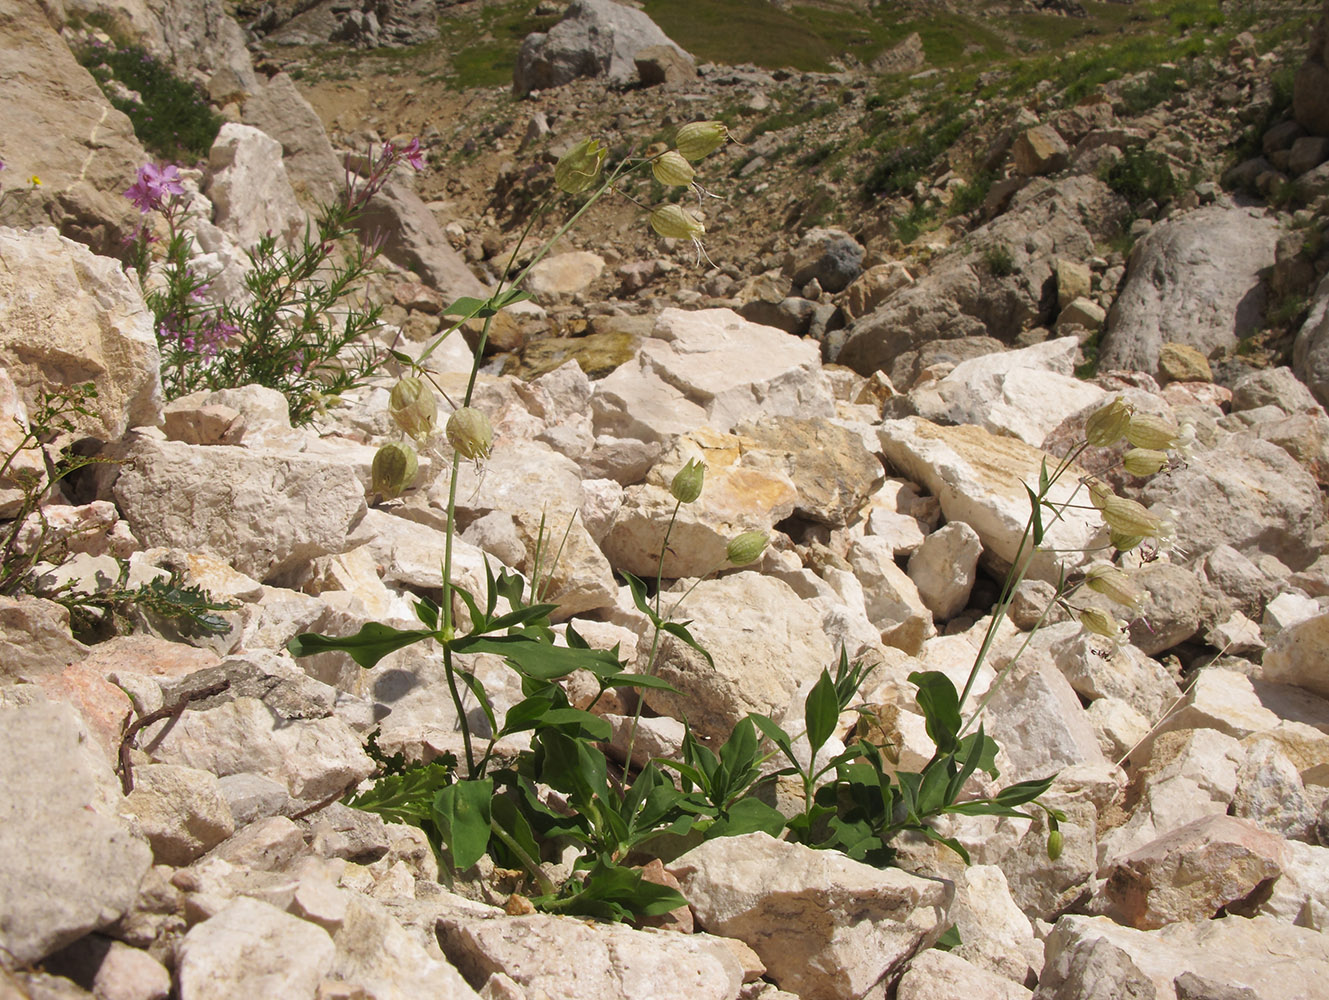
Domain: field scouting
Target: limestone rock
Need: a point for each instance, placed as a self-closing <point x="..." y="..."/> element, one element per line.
<point x="35" y="639"/>
<point x="83" y="149"/>
<point x="1095" y="957"/>
<point x="1310" y="350"/>
<point x="281" y="111"/>
<point x="1036" y="718"/>
<point x="1023" y="394"/>
<point x="249" y="189"/>
<point x="1245" y="493"/>
<point x="68" y="317"/>
<point x="564" y="274"/>
<point x="940" y="975"/>
<point x="829" y="466"/>
<point x="944" y="569"/>
<point x="1193" y="279"/>
<point x="181" y="810"/>
<point x="1040" y="150"/>
<point x="377" y="954"/>
<point x="254" y="949"/>
<point x="71" y="865"/>
<point x="596" y="961"/>
<point x="764" y="642"/>
<point x="1296" y="656"/>
<point x="264" y="514"/>
<point x="960" y="298"/>
<point x="1192" y="872"/>
<point x="979" y="479"/>
<point x="313" y="758"/>
<point x="994" y="933"/>
<point x="826" y="927"/>
<point x="413" y="239"/>
<point x="1189" y="775"/>
<point x="595" y="38"/>
<point x="734" y="501"/>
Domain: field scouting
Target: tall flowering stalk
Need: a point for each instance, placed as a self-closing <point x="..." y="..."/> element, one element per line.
<point x="282" y="334"/>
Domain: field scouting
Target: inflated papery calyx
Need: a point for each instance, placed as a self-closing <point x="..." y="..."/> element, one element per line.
<point x="413" y="407"/>
<point x="470" y="433"/>
<point x="393" y="470"/>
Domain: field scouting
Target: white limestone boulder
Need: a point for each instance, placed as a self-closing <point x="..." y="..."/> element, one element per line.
<point x="263" y="513"/>
<point x="980" y="479"/>
<point x="72" y="865"/>
<point x="763" y="640"/>
<point x="68" y="316"/>
<point x="826" y="927"/>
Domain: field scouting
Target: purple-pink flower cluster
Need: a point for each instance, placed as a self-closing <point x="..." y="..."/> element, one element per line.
<point x="210" y="334"/>
<point x="152" y="185"/>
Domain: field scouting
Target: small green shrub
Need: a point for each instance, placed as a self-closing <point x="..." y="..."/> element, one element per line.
<point x="969" y="196"/>
<point x="915" y="222"/>
<point x="1140" y="175"/>
<point x="172" y="119"/>
<point x="999" y="260"/>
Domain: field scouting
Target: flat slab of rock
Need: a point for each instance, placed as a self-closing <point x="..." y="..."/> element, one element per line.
<point x="1092" y="957"/>
<point x="1192" y="872"/>
<point x="980" y="479"/>
<point x="70" y="864"/>
<point x="253" y="949"/>
<point x="826" y="927"/>
<point x="261" y="513"/>
<point x="564" y="958"/>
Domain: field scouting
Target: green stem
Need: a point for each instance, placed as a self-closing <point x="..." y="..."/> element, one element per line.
<point x="527" y="862"/>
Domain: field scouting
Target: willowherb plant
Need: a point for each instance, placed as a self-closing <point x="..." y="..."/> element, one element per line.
<point x="284" y="334"/>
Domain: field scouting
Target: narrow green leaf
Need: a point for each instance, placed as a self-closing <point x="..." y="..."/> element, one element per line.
<point x="775" y="734"/>
<point x="638" y="590"/>
<point x="466" y="306"/>
<point x="427" y="611"/>
<point x="640" y="681"/>
<point x="1037" y="517"/>
<point x="366" y="647"/>
<point x="1024" y="791"/>
<point x="405" y="797"/>
<point x="821" y="710"/>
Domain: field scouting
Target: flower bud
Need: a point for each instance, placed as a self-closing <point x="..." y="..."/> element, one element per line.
<point x="1149" y="431"/>
<point x="1099" y="492"/>
<point x="1129" y="517"/>
<point x="1123" y="542"/>
<point x="1098" y="622"/>
<point x="746" y="548"/>
<point x="469" y="432"/>
<point x="686" y="486"/>
<point x="579" y="167"/>
<point x="1055" y="844"/>
<point x="393" y="470"/>
<point x="676" y="222"/>
<point x="1114" y="584"/>
<point x="1144" y="461"/>
<point x="1107" y="425"/>
<point x="697" y="140"/>
<point x="413" y="407"/>
<point x="672" y="169"/>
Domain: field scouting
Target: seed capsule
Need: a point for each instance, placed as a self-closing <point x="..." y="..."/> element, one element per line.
<point x="1123" y="542"/>
<point x="1055" y="844"/>
<point x="672" y="169"/>
<point x="413" y="407"/>
<point x="746" y="548"/>
<point x="1100" y="623"/>
<point x="1114" y="584"/>
<point x="687" y="483"/>
<point x="676" y="222"/>
<point x="1149" y="431"/>
<point x="1107" y="425"/>
<point x="1144" y="461"/>
<point x="1129" y="517"/>
<point x="697" y="140"/>
<point x="469" y="432"/>
<point x="579" y="167"/>
<point x="393" y="469"/>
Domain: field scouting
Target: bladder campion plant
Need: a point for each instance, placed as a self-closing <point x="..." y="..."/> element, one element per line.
<point x="476" y="806"/>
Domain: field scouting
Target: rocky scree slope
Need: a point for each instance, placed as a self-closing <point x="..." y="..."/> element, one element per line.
<point x="1191" y="760"/>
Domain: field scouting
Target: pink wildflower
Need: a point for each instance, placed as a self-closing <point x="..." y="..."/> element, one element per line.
<point x="152" y="185"/>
